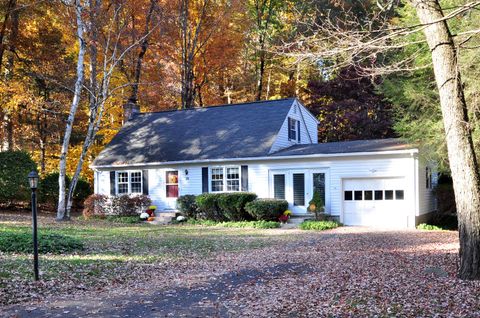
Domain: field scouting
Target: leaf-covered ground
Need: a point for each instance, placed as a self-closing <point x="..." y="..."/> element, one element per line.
<point x="134" y="271"/>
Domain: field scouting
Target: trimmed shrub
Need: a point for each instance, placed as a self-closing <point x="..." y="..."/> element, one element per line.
<point x="428" y="227"/>
<point x="48" y="189"/>
<point x="232" y="205"/>
<point x="14" y="169"/>
<point x="22" y="242"/>
<point x="319" y="225"/>
<point x="208" y="207"/>
<point x="98" y="205"/>
<point x="187" y="205"/>
<point x="317" y="206"/>
<point x="266" y="209"/>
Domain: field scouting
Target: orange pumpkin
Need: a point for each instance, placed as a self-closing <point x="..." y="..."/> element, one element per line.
<point x="152" y="218"/>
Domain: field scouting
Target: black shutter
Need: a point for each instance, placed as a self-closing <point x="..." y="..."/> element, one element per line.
<point x="298" y="130"/>
<point x="112" y="183"/>
<point x="289" y="128"/>
<point x="145" y="182"/>
<point x="204" y="179"/>
<point x="279" y="186"/>
<point x="244" y="178"/>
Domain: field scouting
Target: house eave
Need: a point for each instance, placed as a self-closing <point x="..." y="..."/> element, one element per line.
<point x="312" y="156"/>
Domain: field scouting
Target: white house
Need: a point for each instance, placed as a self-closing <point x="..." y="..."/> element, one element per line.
<point x="270" y="148"/>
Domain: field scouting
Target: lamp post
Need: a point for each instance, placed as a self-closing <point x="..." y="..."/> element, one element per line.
<point x="33" y="181"/>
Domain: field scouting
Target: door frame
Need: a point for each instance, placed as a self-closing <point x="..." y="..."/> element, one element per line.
<point x="308" y="172"/>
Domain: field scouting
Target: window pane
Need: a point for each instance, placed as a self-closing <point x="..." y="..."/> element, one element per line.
<point x="217" y="185"/>
<point x="279" y="186"/>
<point x="136" y="177"/>
<point x="348" y="195"/>
<point x="378" y="195"/>
<point x="388" y="194"/>
<point x="122" y="188"/>
<point x="217" y="173"/>
<point x="233" y="173"/>
<point x="358" y="195"/>
<point x="172" y="191"/>
<point x="399" y="195"/>
<point x="233" y="185"/>
<point x="368" y="195"/>
<point x="136" y="187"/>
<point x="123" y="177"/>
<point x="172" y="177"/>
<point x="298" y="189"/>
<point x="319" y="184"/>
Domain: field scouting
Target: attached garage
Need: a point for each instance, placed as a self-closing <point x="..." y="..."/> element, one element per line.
<point x="375" y="201"/>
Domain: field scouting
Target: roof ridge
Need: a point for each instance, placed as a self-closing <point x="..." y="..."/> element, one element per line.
<point x="216" y="106"/>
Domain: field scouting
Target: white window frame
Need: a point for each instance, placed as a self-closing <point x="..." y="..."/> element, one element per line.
<point x="224" y="180"/>
<point x="129" y="174"/>
<point x="295" y="123"/>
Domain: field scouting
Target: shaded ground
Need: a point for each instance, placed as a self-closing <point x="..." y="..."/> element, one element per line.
<point x="347" y="272"/>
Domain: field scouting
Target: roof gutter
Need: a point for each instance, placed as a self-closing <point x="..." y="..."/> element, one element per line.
<point x="313" y="156"/>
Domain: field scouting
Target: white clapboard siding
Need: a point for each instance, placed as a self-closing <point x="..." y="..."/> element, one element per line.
<point x="426" y="195"/>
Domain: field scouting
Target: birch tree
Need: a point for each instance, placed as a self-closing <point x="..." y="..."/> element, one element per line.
<point x="80" y="31"/>
<point x="112" y="53"/>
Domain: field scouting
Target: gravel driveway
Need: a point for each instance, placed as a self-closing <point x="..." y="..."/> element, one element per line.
<point x="346" y="272"/>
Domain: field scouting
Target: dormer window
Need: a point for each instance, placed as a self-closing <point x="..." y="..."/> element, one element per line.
<point x="293" y="129"/>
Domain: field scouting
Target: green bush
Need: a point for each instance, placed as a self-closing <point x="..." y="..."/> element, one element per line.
<point x="266" y="209"/>
<point x="208" y="207"/>
<point x="429" y="227"/>
<point x="48" y="189"/>
<point x="232" y="205"/>
<point x="316" y="205"/>
<point x="187" y="205"/>
<point x="319" y="225"/>
<point x="22" y="242"/>
<point x="14" y="169"/>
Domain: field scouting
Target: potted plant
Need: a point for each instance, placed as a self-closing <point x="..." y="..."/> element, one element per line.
<point x="285" y="216"/>
<point x="317" y="206"/>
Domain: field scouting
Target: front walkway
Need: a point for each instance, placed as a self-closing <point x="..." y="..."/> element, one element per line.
<point x="347" y="272"/>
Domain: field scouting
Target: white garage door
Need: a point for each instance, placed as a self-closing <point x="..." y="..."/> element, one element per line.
<point x="375" y="202"/>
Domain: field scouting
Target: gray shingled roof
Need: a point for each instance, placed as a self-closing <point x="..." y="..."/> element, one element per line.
<point x="219" y="132"/>
<point x="346" y="147"/>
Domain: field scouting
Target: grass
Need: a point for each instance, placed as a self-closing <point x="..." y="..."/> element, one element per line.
<point x="319" y="225"/>
<point x="103" y="251"/>
<point x="429" y="227"/>
<point x="239" y="224"/>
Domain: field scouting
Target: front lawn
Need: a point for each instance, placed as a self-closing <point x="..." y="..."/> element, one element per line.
<point x="110" y="253"/>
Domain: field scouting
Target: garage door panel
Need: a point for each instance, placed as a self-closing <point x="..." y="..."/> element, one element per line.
<point x="381" y="203"/>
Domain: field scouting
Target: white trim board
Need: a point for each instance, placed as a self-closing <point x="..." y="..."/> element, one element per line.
<point x="201" y="161"/>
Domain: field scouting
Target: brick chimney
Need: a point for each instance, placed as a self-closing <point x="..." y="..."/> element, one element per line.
<point x="129" y="110"/>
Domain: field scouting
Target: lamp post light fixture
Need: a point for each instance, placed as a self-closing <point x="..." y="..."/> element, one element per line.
<point x="33" y="181"/>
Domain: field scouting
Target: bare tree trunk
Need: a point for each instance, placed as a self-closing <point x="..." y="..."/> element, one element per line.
<point x="73" y="110"/>
<point x="261" y="72"/>
<point x="143" y="49"/>
<point x="94" y="6"/>
<point x="461" y="155"/>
